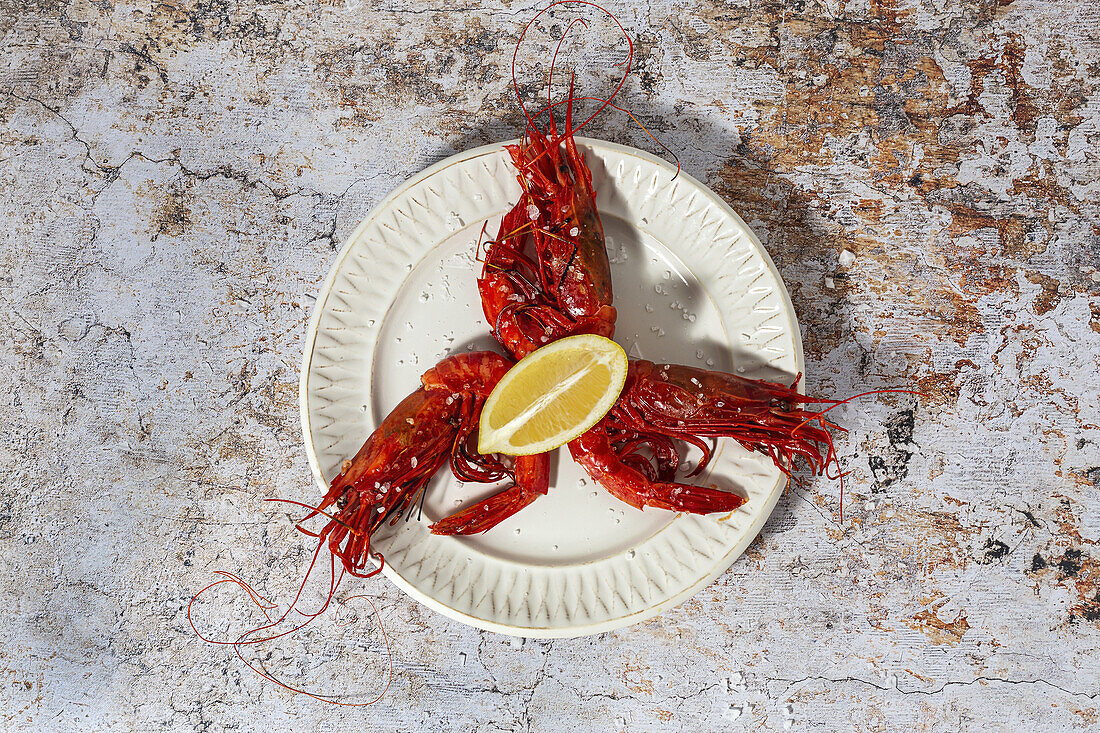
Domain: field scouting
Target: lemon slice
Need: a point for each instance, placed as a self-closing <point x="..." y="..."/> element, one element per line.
<point x="554" y="394"/>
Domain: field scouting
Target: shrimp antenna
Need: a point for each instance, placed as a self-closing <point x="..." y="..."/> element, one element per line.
<point x="626" y="64"/>
<point x="553" y="62"/>
<point x="627" y="112"/>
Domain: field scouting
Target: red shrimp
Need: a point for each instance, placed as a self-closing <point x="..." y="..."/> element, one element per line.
<point x="547" y="275"/>
<point x="389" y="473"/>
<point x="661" y="404"/>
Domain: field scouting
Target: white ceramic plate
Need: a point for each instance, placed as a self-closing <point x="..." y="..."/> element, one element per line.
<point x="692" y="285"/>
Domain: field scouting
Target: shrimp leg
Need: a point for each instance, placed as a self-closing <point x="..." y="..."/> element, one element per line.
<point x="532" y="481"/>
<point x="594" y="453"/>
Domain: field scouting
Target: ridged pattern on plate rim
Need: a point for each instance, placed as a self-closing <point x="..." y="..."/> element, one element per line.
<point x="547" y="600"/>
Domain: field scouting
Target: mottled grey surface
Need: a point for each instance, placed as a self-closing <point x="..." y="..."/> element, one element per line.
<point x="176" y="177"/>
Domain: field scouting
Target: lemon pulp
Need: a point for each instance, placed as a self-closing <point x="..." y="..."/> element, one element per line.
<point x="553" y="395"/>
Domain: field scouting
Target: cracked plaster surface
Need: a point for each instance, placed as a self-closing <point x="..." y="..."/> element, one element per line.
<point x="175" y="180"/>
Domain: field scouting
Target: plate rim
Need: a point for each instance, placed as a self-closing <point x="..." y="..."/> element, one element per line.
<point x="569" y="630"/>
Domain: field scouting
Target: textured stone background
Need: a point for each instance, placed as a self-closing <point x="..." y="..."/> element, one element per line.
<point x="176" y="177"/>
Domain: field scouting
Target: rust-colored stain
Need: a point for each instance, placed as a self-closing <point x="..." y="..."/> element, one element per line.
<point x="632" y="676"/>
<point x="939" y="631"/>
<point x="1088" y="716"/>
<point x="1048" y="299"/>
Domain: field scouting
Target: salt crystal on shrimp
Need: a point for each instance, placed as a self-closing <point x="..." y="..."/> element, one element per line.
<point x="574" y="232"/>
<point x="532" y="212"/>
